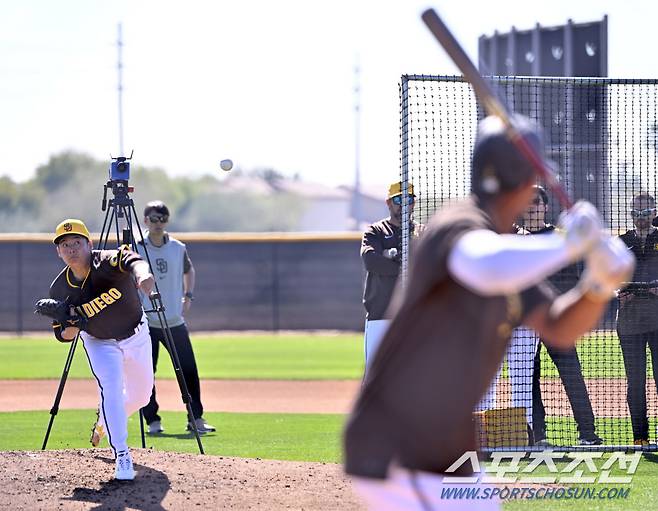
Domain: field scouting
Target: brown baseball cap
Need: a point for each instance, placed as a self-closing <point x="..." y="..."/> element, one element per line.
<point x="70" y="226"/>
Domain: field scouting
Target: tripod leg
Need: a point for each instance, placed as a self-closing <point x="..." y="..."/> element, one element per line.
<point x="141" y="428"/>
<point x="60" y="390"/>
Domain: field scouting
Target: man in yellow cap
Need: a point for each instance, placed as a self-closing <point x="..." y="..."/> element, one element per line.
<point x="381" y="253"/>
<point x="103" y="285"/>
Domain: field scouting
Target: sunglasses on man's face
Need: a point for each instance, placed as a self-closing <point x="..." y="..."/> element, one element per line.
<point x="155" y="219"/>
<point x="644" y="213"/>
<point x="397" y="200"/>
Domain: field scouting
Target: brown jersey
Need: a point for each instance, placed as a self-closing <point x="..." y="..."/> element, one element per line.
<point x="382" y="273"/>
<point x="108" y="294"/>
<point x="443" y="348"/>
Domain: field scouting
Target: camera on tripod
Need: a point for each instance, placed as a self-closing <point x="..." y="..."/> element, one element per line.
<point x="120" y="168"/>
<point x="119" y="176"/>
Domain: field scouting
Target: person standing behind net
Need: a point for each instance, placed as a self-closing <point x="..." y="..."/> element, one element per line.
<point x="637" y="318"/>
<point x="175" y="278"/>
<point x="469" y="285"/>
<point x="524" y="353"/>
<point x="566" y="361"/>
<point x="380" y="253"/>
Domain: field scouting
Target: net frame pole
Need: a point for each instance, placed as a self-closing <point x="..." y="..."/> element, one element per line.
<point x="404" y="175"/>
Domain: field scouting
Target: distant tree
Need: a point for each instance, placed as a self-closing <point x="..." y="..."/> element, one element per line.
<point x="8" y="193"/>
<point x="269" y="175"/>
<point x="66" y="168"/>
<point x="70" y="184"/>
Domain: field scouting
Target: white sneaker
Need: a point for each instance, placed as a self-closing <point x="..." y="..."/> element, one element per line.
<point x="155" y="428"/>
<point x="124" y="467"/>
<point x="201" y="425"/>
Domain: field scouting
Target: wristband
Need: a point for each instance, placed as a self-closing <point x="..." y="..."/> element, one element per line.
<point x="189" y="295"/>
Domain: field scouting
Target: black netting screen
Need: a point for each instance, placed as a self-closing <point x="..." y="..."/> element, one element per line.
<point x="601" y="136"/>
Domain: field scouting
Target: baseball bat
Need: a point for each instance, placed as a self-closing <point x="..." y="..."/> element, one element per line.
<point x="490" y="102"/>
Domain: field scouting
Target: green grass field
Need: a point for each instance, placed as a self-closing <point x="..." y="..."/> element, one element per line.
<point x="270" y="356"/>
<point x="642" y="491"/>
<point x="277" y="357"/>
<point x="300" y="437"/>
<point x="563" y="431"/>
<point x="600" y="357"/>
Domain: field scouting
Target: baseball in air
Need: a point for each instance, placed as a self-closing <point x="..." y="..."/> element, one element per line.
<point x="226" y="165"/>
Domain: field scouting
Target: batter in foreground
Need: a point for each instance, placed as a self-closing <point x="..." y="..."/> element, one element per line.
<point x="470" y="284"/>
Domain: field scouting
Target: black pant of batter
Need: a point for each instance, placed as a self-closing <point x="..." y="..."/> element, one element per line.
<point x="634" y="350"/>
<point x="183" y="347"/>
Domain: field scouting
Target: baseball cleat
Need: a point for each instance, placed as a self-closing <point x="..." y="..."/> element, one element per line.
<point x="155" y="427"/>
<point x="97" y="431"/>
<point x="124" y="470"/>
<point x="201" y="425"/>
<point x="97" y="434"/>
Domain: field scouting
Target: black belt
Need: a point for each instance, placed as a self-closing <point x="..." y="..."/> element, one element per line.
<point x="132" y="332"/>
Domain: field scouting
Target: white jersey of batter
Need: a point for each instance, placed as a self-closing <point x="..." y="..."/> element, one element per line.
<point x="166" y="260"/>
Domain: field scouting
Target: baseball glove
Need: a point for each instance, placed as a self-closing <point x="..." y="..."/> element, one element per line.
<point x="63" y="312"/>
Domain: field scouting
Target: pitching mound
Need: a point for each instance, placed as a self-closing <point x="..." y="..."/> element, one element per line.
<point x="83" y="479"/>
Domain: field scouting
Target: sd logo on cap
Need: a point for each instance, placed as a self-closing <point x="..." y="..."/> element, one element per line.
<point x="70" y="226"/>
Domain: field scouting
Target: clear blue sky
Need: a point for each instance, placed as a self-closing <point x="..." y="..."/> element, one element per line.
<point x="268" y="84"/>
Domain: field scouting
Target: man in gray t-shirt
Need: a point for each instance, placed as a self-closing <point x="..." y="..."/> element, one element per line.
<point x="175" y="277"/>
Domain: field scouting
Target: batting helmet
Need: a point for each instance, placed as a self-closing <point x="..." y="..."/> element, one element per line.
<point x="497" y="164"/>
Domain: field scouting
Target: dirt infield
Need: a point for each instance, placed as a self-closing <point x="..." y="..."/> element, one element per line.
<point x="218" y="395"/>
<point x="608" y="396"/>
<point x="81" y="480"/>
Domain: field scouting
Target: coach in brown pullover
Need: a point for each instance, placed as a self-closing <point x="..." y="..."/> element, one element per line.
<point x="381" y="254"/>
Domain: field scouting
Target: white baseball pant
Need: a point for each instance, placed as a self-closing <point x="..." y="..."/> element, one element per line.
<point x="375" y="331"/>
<point x="124" y="373"/>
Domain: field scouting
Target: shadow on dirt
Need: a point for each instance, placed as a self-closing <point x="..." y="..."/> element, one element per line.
<point x="146" y="492"/>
